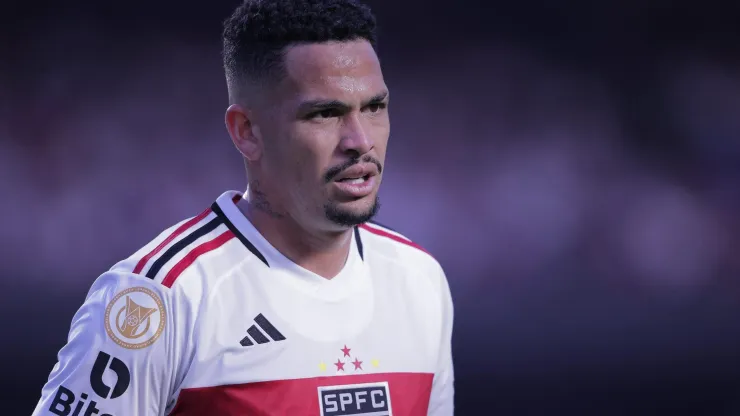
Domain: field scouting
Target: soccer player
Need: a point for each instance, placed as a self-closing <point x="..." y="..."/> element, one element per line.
<point x="286" y="299"/>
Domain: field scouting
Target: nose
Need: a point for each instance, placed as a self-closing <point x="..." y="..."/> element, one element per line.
<point x="354" y="136"/>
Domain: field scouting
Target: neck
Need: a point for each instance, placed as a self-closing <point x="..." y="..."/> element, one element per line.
<point x="320" y="252"/>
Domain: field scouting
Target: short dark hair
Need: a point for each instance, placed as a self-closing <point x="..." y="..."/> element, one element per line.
<point x="256" y="34"/>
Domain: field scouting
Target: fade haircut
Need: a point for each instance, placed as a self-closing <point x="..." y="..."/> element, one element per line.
<point x="256" y="34"/>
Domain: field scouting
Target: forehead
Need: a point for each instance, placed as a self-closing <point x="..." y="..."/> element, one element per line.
<point x="338" y="70"/>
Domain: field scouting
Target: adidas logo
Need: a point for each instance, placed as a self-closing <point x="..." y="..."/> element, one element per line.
<point x="257" y="335"/>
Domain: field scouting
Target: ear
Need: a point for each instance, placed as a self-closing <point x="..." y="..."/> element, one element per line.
<point x="244" y="133"/>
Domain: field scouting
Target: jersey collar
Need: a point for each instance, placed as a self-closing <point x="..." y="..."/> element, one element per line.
<point x="226" y="208"/>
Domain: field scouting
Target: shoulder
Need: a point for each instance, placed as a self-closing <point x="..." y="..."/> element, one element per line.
<point x="408" y="263"/>
<point x="134" y="310"/>
<point x="202" y="247"/>
<point x="177" y="267"/>
<point x="402" y="253"/>
<point x="393" y="245"/>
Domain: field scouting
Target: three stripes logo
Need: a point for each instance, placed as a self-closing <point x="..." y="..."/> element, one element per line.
<point x="255" y="335"/>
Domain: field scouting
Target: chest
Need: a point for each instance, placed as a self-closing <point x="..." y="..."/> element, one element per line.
<point x="277" y="352"/>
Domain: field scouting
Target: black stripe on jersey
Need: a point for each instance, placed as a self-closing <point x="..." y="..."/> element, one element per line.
<point x="257" y="335"/>
<point x="269" y="328"/>
<point x="359" y="242"/>
<point x="216" y="209"/>
<point x="181" y="245"/>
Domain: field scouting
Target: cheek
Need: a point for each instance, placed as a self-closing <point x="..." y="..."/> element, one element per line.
<point x="276" y="161"/>
<point x="301" y="170"/>
<point x="314" y="147"/>
<point x="306" y="180"/>
<point x="381" y="133"/>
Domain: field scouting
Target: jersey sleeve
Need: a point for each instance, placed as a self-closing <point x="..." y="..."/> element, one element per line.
<point x="123" y="354"/>
<point x="441" y="402"/>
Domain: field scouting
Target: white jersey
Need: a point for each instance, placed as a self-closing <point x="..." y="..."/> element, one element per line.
<point x="210" y="319"/>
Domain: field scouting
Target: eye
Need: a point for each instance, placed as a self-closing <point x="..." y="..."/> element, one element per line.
<point x="375" y="107"/>
<point x="327" y="113"/>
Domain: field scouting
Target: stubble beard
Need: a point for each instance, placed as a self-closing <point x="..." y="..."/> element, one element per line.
<point x="347" y="218"/>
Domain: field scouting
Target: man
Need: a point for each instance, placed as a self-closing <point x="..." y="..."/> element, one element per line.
<point x="284" y="300"/>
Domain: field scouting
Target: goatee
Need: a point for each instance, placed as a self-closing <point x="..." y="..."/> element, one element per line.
<point x="348" y="218"/>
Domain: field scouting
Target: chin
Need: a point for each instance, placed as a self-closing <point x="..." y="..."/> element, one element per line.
<point x="351" y="214"/>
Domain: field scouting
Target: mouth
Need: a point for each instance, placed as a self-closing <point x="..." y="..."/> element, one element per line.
<point x="356" y="182"/>
<point x="358" y="173"/>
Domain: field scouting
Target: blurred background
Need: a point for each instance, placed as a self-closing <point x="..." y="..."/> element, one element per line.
<point x="575" y="166"/>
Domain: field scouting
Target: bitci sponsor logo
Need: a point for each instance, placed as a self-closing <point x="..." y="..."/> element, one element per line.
<point x="66" y="403"/>
<point x="355" y="399"/>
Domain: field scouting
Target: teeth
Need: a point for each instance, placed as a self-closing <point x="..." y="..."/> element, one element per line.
<point x="356" y="181"/>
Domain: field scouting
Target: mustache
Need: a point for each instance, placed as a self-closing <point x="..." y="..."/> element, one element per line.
<point x="332" y="173"/>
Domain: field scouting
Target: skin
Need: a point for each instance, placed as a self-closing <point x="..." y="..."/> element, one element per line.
<point x="328" y="112"/>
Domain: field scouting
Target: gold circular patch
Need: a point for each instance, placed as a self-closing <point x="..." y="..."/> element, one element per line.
<point x="135" y="318"/>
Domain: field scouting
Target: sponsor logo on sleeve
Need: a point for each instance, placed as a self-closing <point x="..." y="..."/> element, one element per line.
<point x="123" y="376"/>
<point x="135" y="318"/>
<point x="355" y="400"/>
<point x="66" y="403"/>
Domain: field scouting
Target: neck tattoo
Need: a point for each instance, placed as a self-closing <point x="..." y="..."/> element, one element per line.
<point x="259" y="200"/>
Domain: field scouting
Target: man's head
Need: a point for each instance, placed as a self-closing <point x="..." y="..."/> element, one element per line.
<point x="308" y="108"/>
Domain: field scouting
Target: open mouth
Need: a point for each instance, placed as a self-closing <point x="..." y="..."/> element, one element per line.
<point x="356" y="187"/>
<point x="355" y="181"/>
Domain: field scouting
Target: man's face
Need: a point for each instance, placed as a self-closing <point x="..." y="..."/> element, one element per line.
<point x="326" y="136"/>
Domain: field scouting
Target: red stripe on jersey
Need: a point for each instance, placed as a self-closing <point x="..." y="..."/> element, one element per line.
<point x="189" y="258"/>
<point x="409" y="396"/>
<point x="393" y="237"/>
<point x="181" y="229"/>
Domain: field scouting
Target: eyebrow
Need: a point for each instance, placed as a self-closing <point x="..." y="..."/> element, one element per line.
<point x="319" y="105"/>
